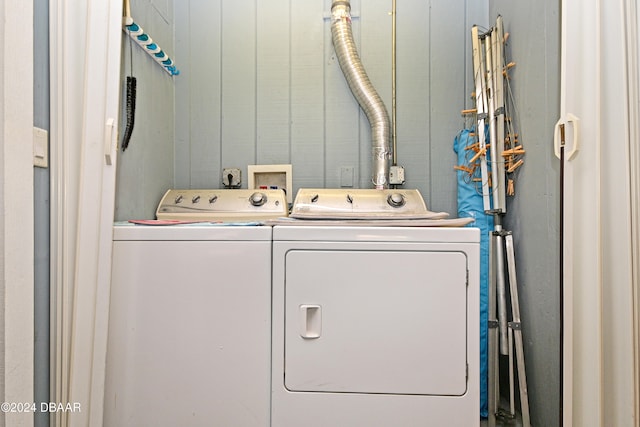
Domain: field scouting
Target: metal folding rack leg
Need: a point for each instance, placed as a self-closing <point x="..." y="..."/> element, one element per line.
<point x="516" y="330"/>
<point x="503" y="241"/>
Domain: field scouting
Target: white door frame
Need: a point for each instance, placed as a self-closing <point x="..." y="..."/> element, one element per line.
<point x="632" y="26"/>
<point x="85" y="76"/>
<point x="599" y="86"/>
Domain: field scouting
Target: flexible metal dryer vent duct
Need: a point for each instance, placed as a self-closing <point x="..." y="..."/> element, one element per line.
<point x="363" y="90"/>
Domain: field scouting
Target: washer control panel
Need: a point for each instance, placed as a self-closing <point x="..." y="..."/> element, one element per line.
<point x="222" y="205"/>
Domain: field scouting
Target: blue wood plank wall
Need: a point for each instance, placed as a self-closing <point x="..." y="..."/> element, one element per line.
<point x="146" y="168"/>
<point x="260" y="84"/>
<point x="534" y="212"/>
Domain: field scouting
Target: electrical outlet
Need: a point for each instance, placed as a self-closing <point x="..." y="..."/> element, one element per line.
<point x="231" y="178"/>
<point x="396" y="175"/>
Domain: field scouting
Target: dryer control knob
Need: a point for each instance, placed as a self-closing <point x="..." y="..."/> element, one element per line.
<point x="258" y="199"/>
<point x="396" y="200"/>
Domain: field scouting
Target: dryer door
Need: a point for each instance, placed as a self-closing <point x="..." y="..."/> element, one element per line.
<point x="376" y="322"/>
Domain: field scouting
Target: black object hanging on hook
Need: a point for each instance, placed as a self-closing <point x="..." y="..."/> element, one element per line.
<point x="131" y="111"/>
<point x="131" y="98"/>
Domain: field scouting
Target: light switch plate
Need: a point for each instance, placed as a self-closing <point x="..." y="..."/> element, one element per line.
<point x="40" y="148"/>
<point x="346" y="176"/>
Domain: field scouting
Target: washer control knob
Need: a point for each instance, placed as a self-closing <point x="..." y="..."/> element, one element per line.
<point x="195" y="199"/>
<point x="213" y="199"/>
<point x="396" y="200"/>
<point x="178" y="199"/>
<point x="258" y="199"/>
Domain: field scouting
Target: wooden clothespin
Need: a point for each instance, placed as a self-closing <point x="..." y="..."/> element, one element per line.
<point x="515" y="166"/>
<point x="511" y="191"/>
<point x="464" y="169"/>
<point x="481" y="152"/>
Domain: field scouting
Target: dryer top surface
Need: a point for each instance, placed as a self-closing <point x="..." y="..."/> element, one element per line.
<point x="376" y="234"/>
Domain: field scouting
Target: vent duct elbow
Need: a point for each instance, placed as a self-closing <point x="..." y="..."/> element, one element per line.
<point x="363" y="91"/>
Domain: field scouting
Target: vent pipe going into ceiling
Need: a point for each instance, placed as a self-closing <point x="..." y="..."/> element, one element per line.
<point x="363" y="91"/>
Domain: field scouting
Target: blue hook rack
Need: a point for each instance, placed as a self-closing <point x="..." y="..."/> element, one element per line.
<point x="143" y="39"/>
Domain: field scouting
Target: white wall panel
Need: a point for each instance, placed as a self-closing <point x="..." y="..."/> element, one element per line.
<point x="617" y="300"/>
<point x="16" y="209"/>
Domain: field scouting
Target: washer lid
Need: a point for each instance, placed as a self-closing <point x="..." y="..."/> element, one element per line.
<point x="361" y="204"/>
<point x="191" y="232"/>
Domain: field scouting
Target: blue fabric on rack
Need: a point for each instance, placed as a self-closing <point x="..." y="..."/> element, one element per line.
<point x="470" y="205"/>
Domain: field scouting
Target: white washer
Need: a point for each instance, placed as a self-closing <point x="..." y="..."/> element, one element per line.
<point x="375" y="326"/>
<point x="189" y="327"/>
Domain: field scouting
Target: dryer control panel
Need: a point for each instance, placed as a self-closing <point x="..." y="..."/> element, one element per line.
<point x="361" y="204"/>
<point x="222" y="205"/>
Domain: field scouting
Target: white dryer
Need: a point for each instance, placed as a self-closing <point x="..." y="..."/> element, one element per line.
<point x="375" y="326"/>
